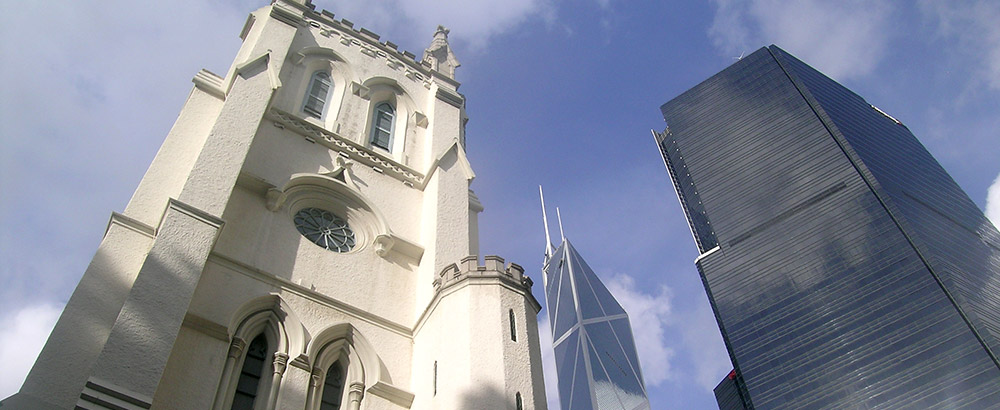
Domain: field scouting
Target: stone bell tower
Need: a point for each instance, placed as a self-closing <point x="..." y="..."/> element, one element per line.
<point x="301" y="241"/>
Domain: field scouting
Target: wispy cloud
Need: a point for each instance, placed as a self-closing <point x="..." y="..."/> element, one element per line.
<point x="974" y="25"/>
<point x="993" y="202"/>
<point x="22" y="335"/>
<point x="650" y="314"/>
<point x="844" y="39"/>
<point x="704" y="347"/>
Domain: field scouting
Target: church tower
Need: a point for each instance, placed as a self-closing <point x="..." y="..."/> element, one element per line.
<point x="301" y="241"/>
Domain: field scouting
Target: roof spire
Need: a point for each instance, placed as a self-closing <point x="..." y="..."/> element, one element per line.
<point x="438" y="56"/>
<point x="545" y="220"/>
<point x="559" y="217"/>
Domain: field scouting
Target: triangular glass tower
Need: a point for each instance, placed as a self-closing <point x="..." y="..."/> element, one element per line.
<point x="595" y="354"/>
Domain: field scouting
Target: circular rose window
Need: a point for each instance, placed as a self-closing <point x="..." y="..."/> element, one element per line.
<point x="325" y="229"/>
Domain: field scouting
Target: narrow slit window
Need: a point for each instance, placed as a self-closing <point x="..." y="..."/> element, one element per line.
<point x="435" y="377"/>
<point x="333" y="388"/>
<point x="383" y="121"/>
<point x="250" y="375"/>
<point x="318" y="94"/>
<point x="513" y="326"/>
<point x="517" y="401"/>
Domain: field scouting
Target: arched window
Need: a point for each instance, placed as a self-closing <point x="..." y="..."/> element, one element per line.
<point x="333" y="388"/>
<point x="253" y="368"/>
<point x="318" y="94"/>
<point x="517" y="401"/>
<point x="513" y="326"/>
<point x="383" y="121"/>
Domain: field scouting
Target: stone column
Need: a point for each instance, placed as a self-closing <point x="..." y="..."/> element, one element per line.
<point x="315" y="381"/>
<point x="280" y="363"/>
<point x="356" y="393"/>
<point x="235" y="353"/>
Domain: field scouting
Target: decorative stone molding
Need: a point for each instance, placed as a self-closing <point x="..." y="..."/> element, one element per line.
<point x="282" y="12"/>
<point x="236" y="347"/>
<point x="99" y="393"/>
<point x="360" y="90"/>
<point x="387" y="243"/>
<point x="450" y="97"/>
<point x="206" y="327"/>
<point x="392" y="393"/>
<point x="211" y="83"/>
<point x="356" y="392"/>
<point x="280" y="362"/>
<point x="353" y="150"/>
<point x="420" y="119"/>
<point x="131" y="224"/>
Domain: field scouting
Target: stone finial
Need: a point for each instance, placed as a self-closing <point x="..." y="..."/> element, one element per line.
<point x="439" y="55"/>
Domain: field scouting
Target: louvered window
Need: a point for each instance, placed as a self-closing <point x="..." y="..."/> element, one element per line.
<point x="383" y="120"/>
<point x="318" y="95"/>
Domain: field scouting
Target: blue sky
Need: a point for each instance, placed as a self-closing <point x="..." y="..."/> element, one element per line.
<point x="560" y="93"/>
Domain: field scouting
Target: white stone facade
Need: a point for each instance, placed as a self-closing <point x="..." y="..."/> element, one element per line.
<point x="206" y="255"/>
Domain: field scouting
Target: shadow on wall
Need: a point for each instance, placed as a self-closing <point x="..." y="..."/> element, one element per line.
<point x="489" y="398"/>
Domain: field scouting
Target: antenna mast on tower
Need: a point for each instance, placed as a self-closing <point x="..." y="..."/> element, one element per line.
<point x="545" y="220"/>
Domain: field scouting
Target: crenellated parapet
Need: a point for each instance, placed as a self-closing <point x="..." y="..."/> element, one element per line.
<point x="493" y="269"/>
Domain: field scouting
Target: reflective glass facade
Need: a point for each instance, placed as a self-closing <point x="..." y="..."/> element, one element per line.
<point x="730" y="393"/>
<point x="596" y="360"/>
<point x="848" y="270"/>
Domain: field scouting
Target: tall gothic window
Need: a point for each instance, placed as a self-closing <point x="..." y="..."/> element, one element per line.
<point x="513" y="326"/>
<point x="383" y="120"/>
<point x="517" y="401"/>
<point x="333" y="388"/>
<point x="318" y="94"/>
<point x="253" y="368"/>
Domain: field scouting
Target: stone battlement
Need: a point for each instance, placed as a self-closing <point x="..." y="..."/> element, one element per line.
<point x="493" y="268"/>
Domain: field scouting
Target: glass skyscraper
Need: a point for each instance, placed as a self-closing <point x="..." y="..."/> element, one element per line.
<point x="595" y="354"/>
<point x="845" y="267"/>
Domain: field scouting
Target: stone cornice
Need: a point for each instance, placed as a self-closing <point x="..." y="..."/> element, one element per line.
<point x="392" y="393"/>
<point x="346" y="147"/>
<point x="131" y="224"/>
<point x="210" y="83"/>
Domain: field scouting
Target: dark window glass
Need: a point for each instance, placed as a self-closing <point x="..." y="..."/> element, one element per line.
<point x="517" y="401"/>
<point x="250" y="375"/>
<point x="319" y="92"/>
<point x="513" y="326"/>
<point x="383" y="120"/>
<point x="333" y="388"/>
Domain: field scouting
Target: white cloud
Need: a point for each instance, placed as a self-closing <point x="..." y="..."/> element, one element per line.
<point x="704" y="346"/>
<point x="650" y="315"/>
<point x="993" y="202"/>
<point x="974" y="25"/>
<point x="22" y="335"/>
<point x="548" y="362"/>
<point x="843" y="39"/>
